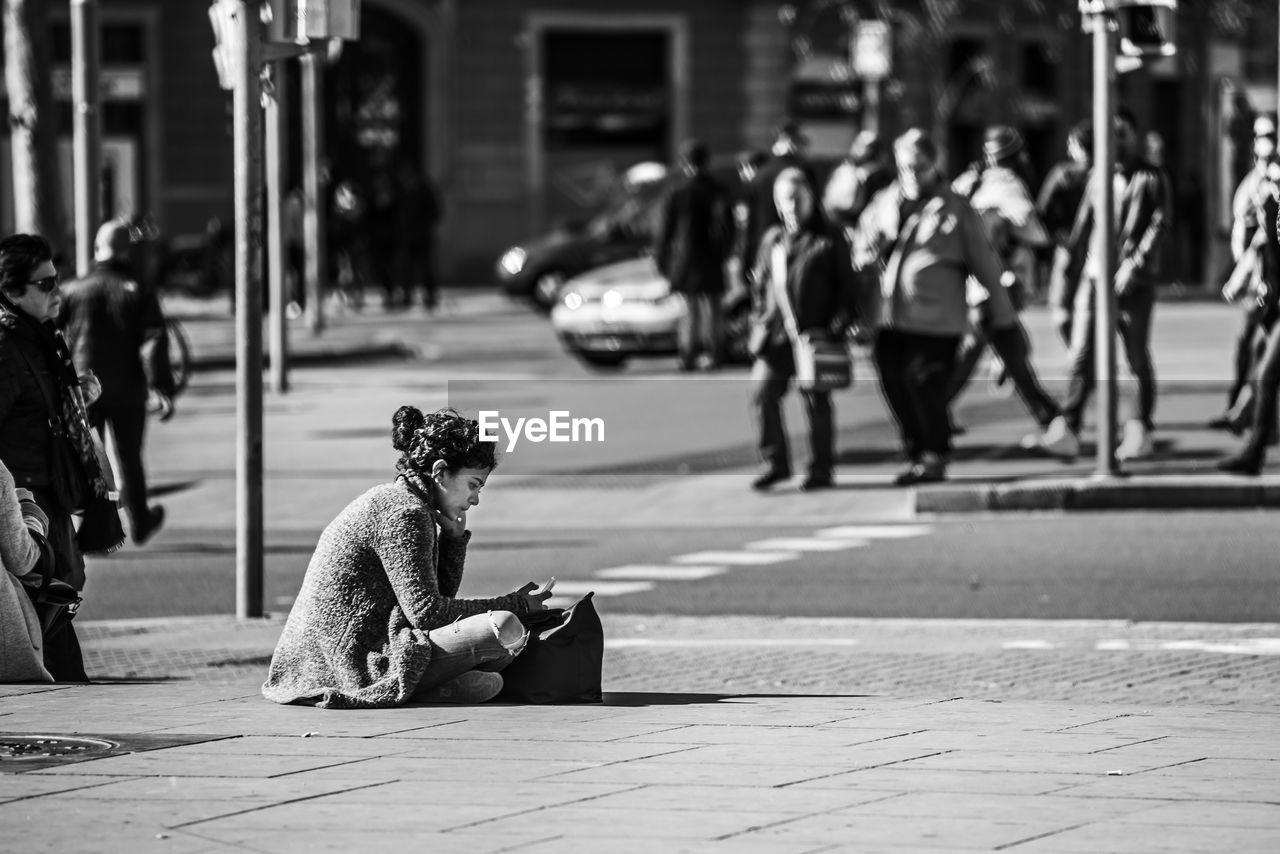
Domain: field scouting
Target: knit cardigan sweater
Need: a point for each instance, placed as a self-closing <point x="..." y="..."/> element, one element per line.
<point x="380" y="579"/>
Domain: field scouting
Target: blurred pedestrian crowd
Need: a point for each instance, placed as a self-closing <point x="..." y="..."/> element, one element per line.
<point x="930" y="273"/>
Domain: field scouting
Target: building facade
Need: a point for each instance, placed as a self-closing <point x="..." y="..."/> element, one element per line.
<point x="525" y="111"/>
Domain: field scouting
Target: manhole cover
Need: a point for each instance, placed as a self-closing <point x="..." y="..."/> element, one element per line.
<point x="29" y="751"/>
<point x="20" y="747"/>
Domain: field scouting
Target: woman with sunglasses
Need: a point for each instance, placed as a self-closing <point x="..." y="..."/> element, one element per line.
<point x="45" y="438"/>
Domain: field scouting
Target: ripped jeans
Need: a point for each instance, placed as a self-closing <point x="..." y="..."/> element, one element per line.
<point x="482" y="642"/>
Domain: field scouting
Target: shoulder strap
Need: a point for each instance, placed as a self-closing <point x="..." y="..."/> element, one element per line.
<point x="55" y="416"/>
<point x="778" y="261"/>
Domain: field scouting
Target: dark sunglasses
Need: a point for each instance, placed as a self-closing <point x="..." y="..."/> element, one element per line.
<point x="47" y="284"/>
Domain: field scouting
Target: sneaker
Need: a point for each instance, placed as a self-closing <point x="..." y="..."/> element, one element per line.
<point x="471" y="688"/>
<point x="1057" y="439"/>
<point x="1221" y="421"/>
<point x="909" y="477"/>
<point x="932" y="469"/>
<point x="1137" y="443"/>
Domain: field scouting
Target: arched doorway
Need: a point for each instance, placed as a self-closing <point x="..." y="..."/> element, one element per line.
<point x="373" y="116"/>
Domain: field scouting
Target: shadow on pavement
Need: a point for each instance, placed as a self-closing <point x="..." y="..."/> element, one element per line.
<point x="642" y="699"/>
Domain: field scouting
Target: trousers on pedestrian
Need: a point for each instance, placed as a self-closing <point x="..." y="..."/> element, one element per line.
<point x="62" y="655"/>
<point x="1266" y="391"/>
<point x="915" y="373"/>
<point x="128" y="423"/>
<point x="1250" y="346"/>
<point x="488" y="641"/>
<point x="1133" y="320"/>
<point x="771" y="376"/>
<point x="699" y="329"/>
<point x="1013" y="347"/>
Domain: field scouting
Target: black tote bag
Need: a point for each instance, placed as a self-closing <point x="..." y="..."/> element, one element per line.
<point x="563" y="659"/>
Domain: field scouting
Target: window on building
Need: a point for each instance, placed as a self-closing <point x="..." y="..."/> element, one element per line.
<point x="121" y="44"/>
<point x="606" y="88"/>
<point x="1039" y="71"/>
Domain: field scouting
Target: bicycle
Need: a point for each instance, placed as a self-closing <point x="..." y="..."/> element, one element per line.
<point x="179" y="354"/>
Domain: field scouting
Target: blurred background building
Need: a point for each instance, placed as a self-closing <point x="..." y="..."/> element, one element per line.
<point x="524" y="112"/>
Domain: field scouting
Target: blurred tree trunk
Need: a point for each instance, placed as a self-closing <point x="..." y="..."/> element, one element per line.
<point x="32" y="121"/>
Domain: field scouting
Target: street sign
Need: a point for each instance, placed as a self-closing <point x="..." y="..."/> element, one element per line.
<point x="872" y="51"/>
<point x="298" y="21"/>
<point x="222" y="17"/>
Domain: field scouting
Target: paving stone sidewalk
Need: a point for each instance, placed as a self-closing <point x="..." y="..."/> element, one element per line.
<point x="198" y="767"/>
<point x="1048" y="660"/>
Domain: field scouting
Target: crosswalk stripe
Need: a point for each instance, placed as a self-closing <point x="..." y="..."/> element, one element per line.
<point x="805" y="544"/>
<point x="735" y="558"/>
<point x="875" y="532"/>
<point x="1238" y="646"/>
<point x="660" y="572"/>
<point x="575" y="589"/>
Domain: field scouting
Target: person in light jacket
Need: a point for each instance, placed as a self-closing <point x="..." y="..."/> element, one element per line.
<point x="22" y="527"/>
<point x="378" y="621"/>
<point x="927" y="240"/>
<point x="999" y="193"/>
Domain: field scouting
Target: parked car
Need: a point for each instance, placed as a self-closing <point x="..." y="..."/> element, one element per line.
<point x="609" y="315"/>
<point x="537" y="268"/>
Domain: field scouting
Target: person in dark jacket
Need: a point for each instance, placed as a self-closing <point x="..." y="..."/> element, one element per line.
<point x="116" y="330"/>
<point x="1141" y="226"/>
<point x="762" y="212"/>
<point x="45" y="438"/>
<point x="1059" y="203"/>
<point x="1064" y="186"/>
<point x="1263" y="386"/>
<point x="807" y="262"/>
<point x="1253" y="277"/>
<point x="690" y="249"/>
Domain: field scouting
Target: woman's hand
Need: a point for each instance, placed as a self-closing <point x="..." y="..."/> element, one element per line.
<point x="454" y="527"/>
<point x="90" y="388"/>
<point x="535" y="598"/>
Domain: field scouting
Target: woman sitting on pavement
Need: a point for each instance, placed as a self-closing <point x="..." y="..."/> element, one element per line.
<point x="21" y="523"/>
<point x="376" y="623"/>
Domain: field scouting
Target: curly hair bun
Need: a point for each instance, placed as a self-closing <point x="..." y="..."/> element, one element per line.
<point x="405" y="423"/>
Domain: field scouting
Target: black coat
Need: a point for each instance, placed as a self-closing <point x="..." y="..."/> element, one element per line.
<point x="694" y="236"/>
<point x="762" y="213"/>
<point x="820" y="284"/>
<point x="27" y="383"/>
<point x="115" y="328"/>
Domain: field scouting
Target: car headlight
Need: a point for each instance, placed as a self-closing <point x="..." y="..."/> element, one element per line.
<point x="573" y="300"/>
<point x="611" y="299"/>
<point x="513" y="261"/>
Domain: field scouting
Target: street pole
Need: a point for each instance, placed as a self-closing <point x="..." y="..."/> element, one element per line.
<point x="871" y="108"/>
<point x="86" y="94"/>
<point x="276" y="141"/>
<point x="1103" y="246"/>
<point x="248" y="203"/>
<point x="313" y="191"/>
